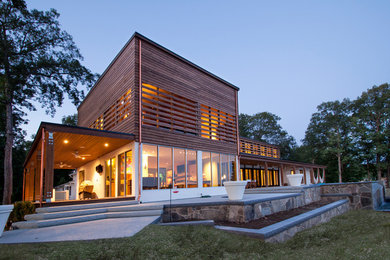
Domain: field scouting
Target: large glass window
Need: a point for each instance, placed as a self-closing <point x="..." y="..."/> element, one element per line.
<point x="206" y="169"/>
<point x="165" y="167"/>
<point x="180" y="168"/>
<point x="149" y="167"/>
<point x="225" y="168"/>
<point x="192" y="175"/>
<point x="215" y="170"/>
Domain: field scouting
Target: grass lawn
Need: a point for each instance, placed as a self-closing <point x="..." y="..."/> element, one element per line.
<point x="359" y="234"/>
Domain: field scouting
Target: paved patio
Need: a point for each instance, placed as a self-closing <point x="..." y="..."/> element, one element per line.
<point x="98" y="229"/>
<point x="119" y="227"/>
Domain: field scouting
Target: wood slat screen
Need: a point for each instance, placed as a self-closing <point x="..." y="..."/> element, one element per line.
<point x="166" y="110"/>
<point x="253" y="147"/>
<point x="115" y="114"/>
<point x="217" y="125"/>
<point x="98" y="124"/>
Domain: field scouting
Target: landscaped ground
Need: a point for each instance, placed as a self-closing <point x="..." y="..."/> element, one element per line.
<point x="355" y="235"/>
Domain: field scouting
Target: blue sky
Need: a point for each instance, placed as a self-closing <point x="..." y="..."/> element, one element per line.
<point x="287" y="57"/>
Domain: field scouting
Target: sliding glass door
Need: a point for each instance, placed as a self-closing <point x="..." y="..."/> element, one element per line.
<point x="125" y="174"/>
<point x="110" y="177"/>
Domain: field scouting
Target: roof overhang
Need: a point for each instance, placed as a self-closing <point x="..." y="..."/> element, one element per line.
<point x="256" y="158"/>
<point x="72" y="142"/>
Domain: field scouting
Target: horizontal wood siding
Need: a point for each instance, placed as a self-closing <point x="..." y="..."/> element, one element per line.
<point x="114" y="83"/>
<point x="165" y="71"/>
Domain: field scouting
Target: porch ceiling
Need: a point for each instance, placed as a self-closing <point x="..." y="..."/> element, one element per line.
<point x="81" y="142"/>
<point x="81" y="149"/>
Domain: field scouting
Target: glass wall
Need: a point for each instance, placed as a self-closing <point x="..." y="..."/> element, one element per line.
<point x="217" y="168"/>
<point x="149" y="167"/>
<point x="179" y="170"/>
<point x="125" y="174"/>
<point x="192" y="173"/>
<point x="121" y="174"/>
<point x="257" y="174"/>
<point x="129" y="172"/>
<point x="206" y="169"/>
<point x="165" y="167"/>
<point x="225" y="168"/>
<point x="110" y="177"/>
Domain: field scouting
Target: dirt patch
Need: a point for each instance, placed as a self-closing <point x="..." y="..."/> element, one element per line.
<point x="277" y="217"/>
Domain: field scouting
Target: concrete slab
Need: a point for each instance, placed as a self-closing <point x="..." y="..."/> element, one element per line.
<point x="97" y="229"/>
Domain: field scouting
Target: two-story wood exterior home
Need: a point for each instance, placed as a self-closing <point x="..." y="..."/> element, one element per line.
<point x="154" y="121"/>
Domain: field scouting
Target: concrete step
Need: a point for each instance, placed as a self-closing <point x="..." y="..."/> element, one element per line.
<point x="84" y="218"/>
<point x="73" y="213"/>
<point x="86" y="206"/>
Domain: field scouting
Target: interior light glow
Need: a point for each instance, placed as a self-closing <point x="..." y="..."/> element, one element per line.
<point x="66" y="141"/>
<point x="83" y="158"/>
<point x="106" y="144"/>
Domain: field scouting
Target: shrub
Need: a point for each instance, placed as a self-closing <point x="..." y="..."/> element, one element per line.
<point x="21" y="208"/>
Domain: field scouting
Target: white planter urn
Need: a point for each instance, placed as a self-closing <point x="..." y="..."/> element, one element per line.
<point x="235" y="189"/>
<point x="294" y="179"/>
<point x="5" y="210"/>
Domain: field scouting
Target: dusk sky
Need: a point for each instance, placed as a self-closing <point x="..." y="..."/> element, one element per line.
<point x="286" y="57"/>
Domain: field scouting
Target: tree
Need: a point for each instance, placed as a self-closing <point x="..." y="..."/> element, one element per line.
<point x="264" y="127"/>
<point x="329" y="133"/>
<point x="38" y="62"/>
<point x="372" y="124"/>
<point x="70" y="120"/>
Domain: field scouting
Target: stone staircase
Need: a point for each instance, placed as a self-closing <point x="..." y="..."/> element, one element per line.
<point x="61" y="215"/>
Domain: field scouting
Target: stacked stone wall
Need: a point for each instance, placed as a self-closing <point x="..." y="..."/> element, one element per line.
<point x="362" y="195"/>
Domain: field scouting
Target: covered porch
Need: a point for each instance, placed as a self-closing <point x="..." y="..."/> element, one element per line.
<point x="271" y="172"/>
<point x="59" y="148"/>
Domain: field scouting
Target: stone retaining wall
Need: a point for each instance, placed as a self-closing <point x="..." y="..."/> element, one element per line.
<point x="362" y="195"/>
<point x="241" y="212"/>
<point x="322" y="218"/>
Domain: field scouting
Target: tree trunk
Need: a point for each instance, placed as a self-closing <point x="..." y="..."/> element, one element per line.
<point x="339" y="165"/>
<point x="378" y="167"/>
<point x="9" y="140"/>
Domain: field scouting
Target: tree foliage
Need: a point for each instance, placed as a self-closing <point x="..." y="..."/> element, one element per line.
<point x="264" y="127"/>
<point x="352" y="137"/>
<point x="38" y="62"/>
<point x="70" y="120"/>
<point x="372" y="126"/>
<point x="329" y="133"/>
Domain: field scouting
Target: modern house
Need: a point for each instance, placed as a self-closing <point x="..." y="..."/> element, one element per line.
<point x="152" y="122"/>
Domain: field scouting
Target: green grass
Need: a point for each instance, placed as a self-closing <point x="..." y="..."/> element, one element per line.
<point x="355" y="235"/>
